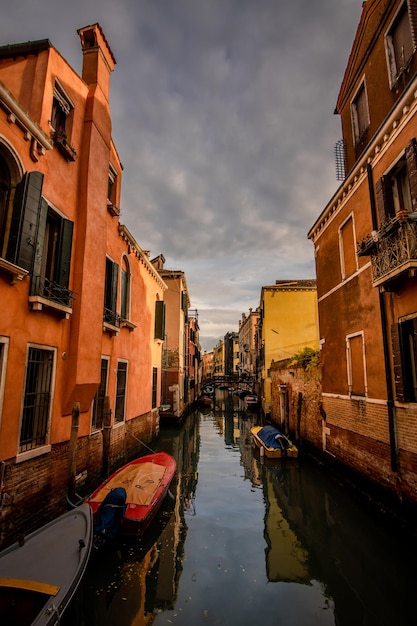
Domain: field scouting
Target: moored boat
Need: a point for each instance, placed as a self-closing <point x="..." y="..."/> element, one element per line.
<point x="251" y="401"/>
<point x="146" y="481"/>
<point x="273" y="443"/>
<point x="204" y="400"/>
<point x="40" y="574"/>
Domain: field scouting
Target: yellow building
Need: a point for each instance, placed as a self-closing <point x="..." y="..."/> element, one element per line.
<point x="219" y="359"/>
<point x="288" y="323"/>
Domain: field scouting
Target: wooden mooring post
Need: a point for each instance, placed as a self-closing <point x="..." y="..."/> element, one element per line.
<point x="75" y="420"/>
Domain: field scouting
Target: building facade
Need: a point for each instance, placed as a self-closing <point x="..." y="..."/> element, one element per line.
<point x="77" y="334"/>
<point x="247" y="346"/>
<point x="288" y="322"/>
<point x="366" y="258"/>
<point x="175" y="362"/>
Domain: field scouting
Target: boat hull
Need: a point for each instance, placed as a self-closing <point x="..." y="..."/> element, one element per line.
<point x="39" y="577"/>
<point x="269" y="452"/>
<point x="146" y="480"/>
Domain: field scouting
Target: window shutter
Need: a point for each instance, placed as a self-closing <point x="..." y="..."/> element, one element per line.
<point x="411" y="157"/>
<point x="114" y="280"/>
<point x="160" y="319"/>
<point x="400" y="391"/>
<point x="412" y="12"/>
<point x="25" y="221"/>
<point x="40" y="237"/>
<point x="384" y="199"/>
<point x="64" y="258"/>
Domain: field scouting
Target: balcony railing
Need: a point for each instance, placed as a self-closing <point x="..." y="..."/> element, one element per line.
<point x="393" y="249"/>
<point x="111" y="317"/>
<point x="45" y="288"/>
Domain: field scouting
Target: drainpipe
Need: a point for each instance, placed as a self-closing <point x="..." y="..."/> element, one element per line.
<point x="385" y="340"/>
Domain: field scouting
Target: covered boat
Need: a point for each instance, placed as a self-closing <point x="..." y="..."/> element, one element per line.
<point x="130" y="498"/>
<point x="275" y="445"/>
<point x="40" y="574"/>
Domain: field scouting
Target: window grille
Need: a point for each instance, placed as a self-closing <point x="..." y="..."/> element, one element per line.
<point x="37" y="399"/>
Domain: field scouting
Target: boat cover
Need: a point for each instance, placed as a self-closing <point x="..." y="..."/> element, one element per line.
<point x="273" y="438"/>
<point x="110" y="512"/>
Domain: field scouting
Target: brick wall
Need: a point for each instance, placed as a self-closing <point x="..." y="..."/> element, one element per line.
<point x="35" y="491"/>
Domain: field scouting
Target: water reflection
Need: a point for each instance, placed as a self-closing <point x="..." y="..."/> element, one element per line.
<point x="246" y="540"/>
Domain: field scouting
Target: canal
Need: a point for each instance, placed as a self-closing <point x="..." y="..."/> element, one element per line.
<point x="244" y="540"/>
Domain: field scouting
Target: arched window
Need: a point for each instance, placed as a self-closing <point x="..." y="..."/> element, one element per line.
<point x="4" y="199"/>
<point x="125" y="289"/>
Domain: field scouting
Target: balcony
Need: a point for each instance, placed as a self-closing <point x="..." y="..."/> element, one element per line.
<point x="46" y="293"/>
<point x="111" y="321"/>
<point x="393" y="249"/>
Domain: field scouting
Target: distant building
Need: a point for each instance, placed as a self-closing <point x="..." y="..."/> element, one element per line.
<point x="175" y="362"/>
<point x="366" y="258"/>
<point x="288" y="322"/>
<point x="207" y="366"/>
<point x="231" y="354"/>
<point x="219" y="365"/>
<point x="247" y="345"/>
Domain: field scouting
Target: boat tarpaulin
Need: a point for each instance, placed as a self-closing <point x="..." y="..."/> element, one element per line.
<point x="273" y="438"/>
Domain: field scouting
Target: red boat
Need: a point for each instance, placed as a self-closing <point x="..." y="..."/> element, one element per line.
<point x="144" y="483"/>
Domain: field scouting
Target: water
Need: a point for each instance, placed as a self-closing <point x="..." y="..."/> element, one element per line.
<point x="247" y="542"/>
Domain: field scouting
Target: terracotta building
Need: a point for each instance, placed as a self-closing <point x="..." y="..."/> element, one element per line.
<point x="365" y="244"/>
<point x="80" y="299"/>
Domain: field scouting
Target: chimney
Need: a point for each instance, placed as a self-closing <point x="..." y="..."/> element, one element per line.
<point x="98" y="59"/>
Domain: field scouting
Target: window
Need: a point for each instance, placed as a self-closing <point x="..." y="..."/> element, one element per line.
<point x="160" y="320"/>
<point x="404" y="348"/>
<point x="62" y="109"/>
<point x="52" y="262"/>
<point x="356" y="364"/>
<point x="399" y="44"/>
<point x="112" y="192"/>
<point x="110" y="293"/>
<point x="4" y="346"/>
<point x="98" y="402"/>
<point x="360" y="113"/>
<point x="121" y="381"/>
<point x="37" y="399"/>
<point x="5" y="185"/>
<point x="154" y="386"/>
<point x="347" y="245"/>
<point x="396" y="190"/>
<point x="125" y="289"/>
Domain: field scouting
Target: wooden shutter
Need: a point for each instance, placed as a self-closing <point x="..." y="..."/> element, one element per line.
<point x="40" y="237"/>
<point x="25" y="221"/>
<point x="411" y="157"/>
<point x="64" y="253"/>
<point x="160" y="319"/>
<point x="384" y="199"/>
<point x="357" y="365"/>
<point x="396" y="339"/>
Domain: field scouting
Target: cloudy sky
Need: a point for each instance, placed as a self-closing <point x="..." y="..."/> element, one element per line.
<point x="223" y="118"/>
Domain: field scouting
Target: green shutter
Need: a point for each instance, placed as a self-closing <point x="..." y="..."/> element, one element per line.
<point x="114" y="281"/>
<point x="397" y="353"/>
<point x="25" y="221"/>
<point x="160" y="319"/>
<point x="64" y="254"/>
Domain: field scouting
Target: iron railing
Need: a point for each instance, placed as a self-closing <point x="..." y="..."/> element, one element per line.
<point x="42" y="286"/>
<point x="395" y="251"/>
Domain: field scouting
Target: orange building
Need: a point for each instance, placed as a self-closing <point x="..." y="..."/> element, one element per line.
<point x="367" y="291"/>
<point x="81" y="328"/>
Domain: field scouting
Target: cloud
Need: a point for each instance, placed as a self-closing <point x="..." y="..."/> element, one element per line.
<point x="223" y="118"/>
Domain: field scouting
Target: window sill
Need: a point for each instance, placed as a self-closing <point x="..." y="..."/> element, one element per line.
<point x="17" y="273"/>
<point x="67" y="151"/>
<point x="126" y="324"/>
<point x="38" y="303"/>
<point x="109" y="328"/>
<point x="32" y="454"/>
<point x="113" y="209"/>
